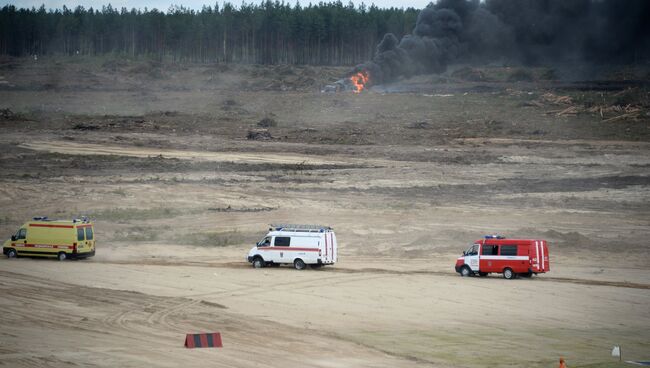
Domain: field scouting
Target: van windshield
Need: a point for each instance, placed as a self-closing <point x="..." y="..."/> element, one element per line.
<point x="264" y="242"/>
<point x="21" y="234"/>
<point x="472" y="251"/>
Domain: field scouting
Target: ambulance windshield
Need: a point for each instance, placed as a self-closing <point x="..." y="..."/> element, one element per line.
<point x="264" y="242"/>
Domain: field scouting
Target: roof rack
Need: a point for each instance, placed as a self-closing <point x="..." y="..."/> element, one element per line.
<point x="41" y="218"/>
<point x="299" y="227"/>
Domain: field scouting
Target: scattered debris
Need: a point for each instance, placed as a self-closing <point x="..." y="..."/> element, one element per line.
<point x="259" y="135"/>
<point x="556" y="100"/>
<point x="571" y="110"/>
<point x="604" y="110"/>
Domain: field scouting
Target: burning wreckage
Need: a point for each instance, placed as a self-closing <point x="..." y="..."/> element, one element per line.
<point x="434" y="42"/>
<point x="355" y="83"/>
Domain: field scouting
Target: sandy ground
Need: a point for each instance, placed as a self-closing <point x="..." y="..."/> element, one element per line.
<point x="179" y="194"/>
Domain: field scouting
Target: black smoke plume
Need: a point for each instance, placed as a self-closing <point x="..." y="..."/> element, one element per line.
<point x="527" y="32"/>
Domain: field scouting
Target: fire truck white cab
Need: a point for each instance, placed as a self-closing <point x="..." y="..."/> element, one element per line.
<point x="300" y="245"/>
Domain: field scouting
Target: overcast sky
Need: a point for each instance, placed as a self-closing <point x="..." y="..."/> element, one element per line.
<point x="194" y="4"/>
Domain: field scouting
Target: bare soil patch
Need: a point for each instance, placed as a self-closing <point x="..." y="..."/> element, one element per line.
<point x="162" y="158"/>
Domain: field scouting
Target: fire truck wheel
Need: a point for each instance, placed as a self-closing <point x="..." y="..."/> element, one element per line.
<point x="61" y="256"/>
<point x="465" y="271"/>
<point x="299" y="264"/>
<point x="12" y="253"/>
<point x="508" y="274"/>
<point x="258" y="262"/>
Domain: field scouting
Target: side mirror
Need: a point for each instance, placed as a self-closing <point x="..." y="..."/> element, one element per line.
<point x="13" y="238"/>
<point x="464" y="253"/>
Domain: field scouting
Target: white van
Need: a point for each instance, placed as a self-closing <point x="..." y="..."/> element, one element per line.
<point x="300" y="245"/>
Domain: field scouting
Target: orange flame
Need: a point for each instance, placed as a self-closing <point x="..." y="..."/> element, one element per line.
<point x="359" y="81"/>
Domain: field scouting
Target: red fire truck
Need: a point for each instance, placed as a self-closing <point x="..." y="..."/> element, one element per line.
<point x="512" y="257"/>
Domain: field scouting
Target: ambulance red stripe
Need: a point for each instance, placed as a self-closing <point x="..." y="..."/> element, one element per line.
<point x="43" y="246"/>
<point x="289" y="249"/>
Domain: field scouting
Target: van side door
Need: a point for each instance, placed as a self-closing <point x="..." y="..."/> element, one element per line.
<point x="81" y="240"/>
<point x="90" y="238"/>
<point x="282" y="254"/>
<point x="490" y="258"/>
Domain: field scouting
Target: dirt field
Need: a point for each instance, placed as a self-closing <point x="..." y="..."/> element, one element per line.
<point x="182" y="168"/>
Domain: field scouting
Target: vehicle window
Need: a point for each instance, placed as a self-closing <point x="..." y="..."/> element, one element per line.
<point x="508" y="250"/>
<point x="89" y="233"/>
<point x="490" y="250"/>
<point x="282" y="241"/>
<point x="472" y="251"/>
<point x="264" y="242"/>
<point x="22" y="234"/>
<point x="80" y="234"/>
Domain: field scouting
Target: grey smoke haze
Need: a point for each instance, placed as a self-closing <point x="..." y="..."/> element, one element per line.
<point x="528" y="32"/>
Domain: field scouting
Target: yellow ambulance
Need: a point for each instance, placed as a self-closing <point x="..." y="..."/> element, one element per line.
<point x="62" y="239"/>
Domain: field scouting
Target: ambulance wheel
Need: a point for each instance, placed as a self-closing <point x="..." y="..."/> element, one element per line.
<point x="12" y="253"/>
<point x="299" y="264"/>
<point x="258" y="263"/>
<point x="61" y="256"/>
<point x="465" y="271"/>
<point x="508" y="274"/>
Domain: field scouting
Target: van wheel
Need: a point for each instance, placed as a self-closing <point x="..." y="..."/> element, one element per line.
<point x="465" y="271"/>
<point x="61" y="256"/>
<point x="299" y="264"/>
<point x="508" y="274"/>
<point x="12" y="253"/>
<point x="258" y="263"/>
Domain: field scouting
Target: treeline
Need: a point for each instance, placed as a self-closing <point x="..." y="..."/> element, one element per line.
<point x="267" y="33"/>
